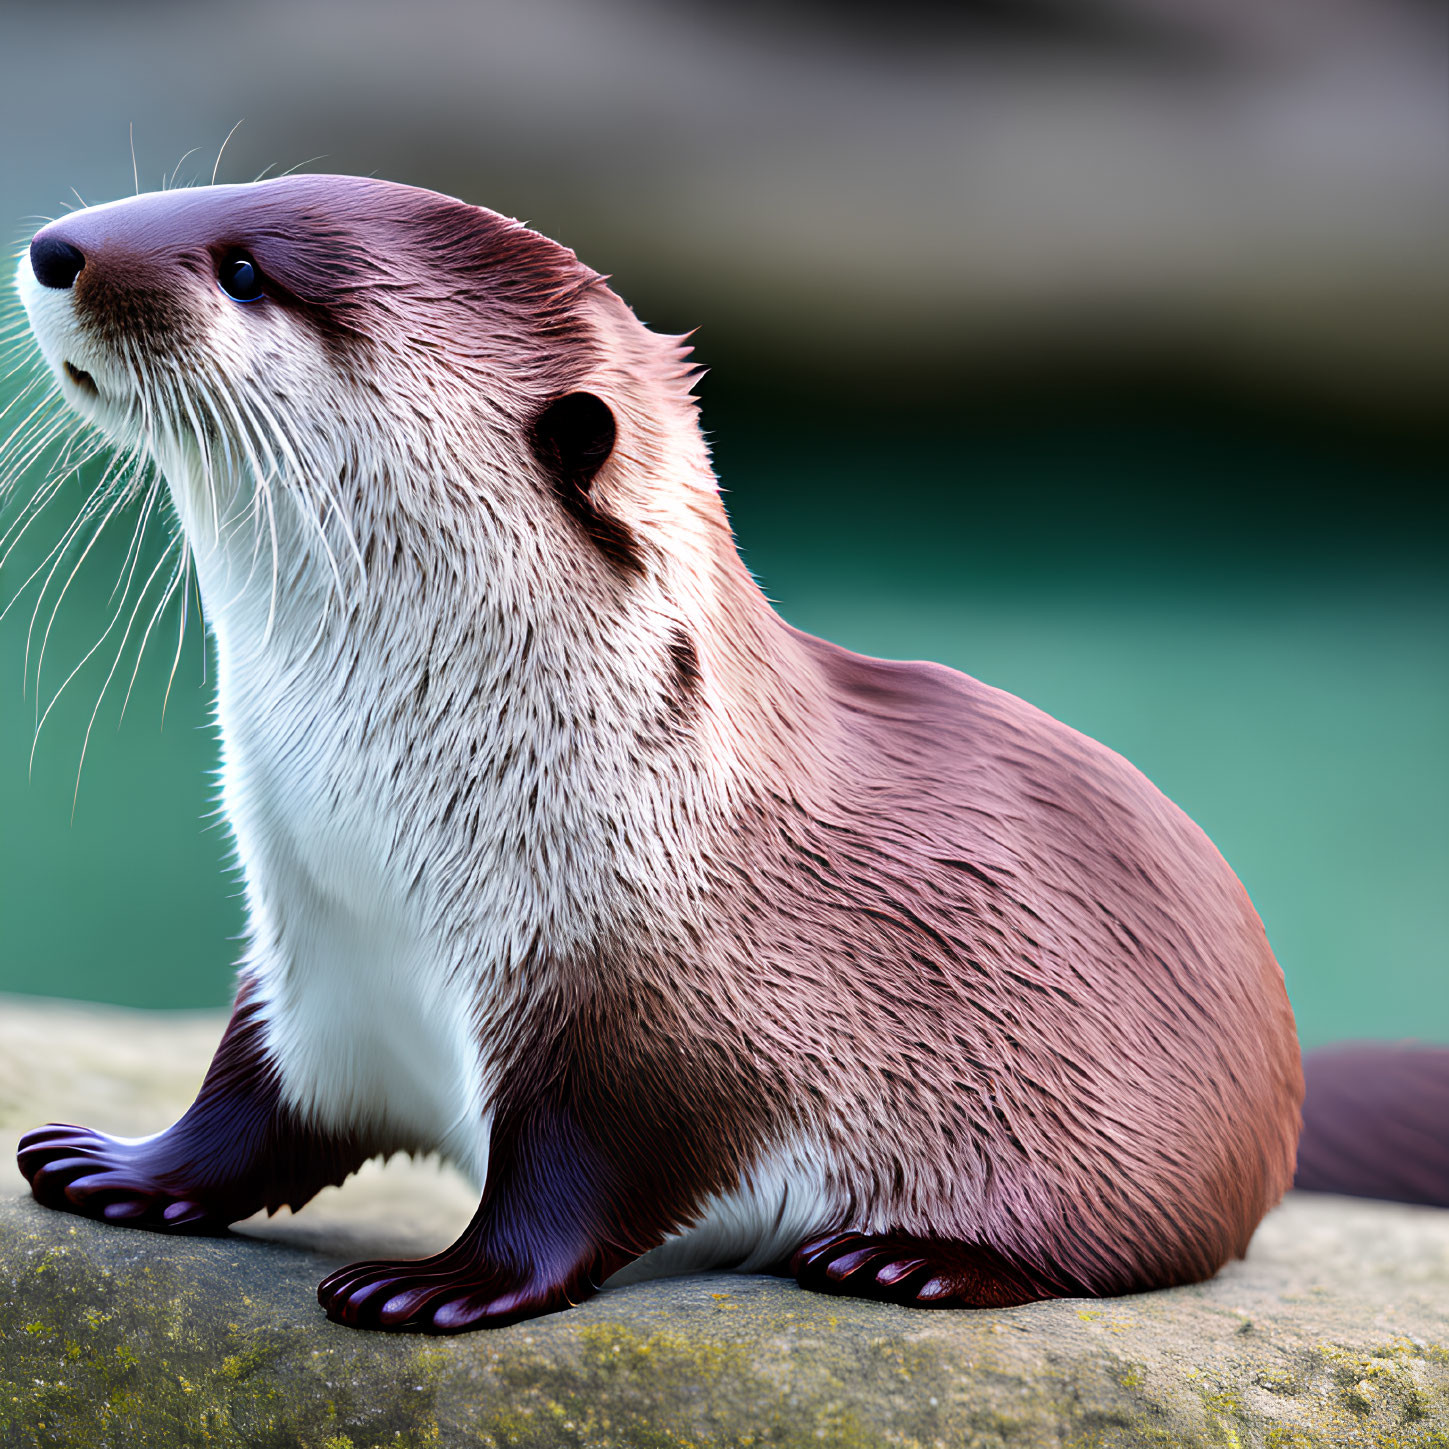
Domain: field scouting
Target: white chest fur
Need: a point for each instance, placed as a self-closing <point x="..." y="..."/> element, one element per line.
<point x="372" y="1017"/>
<point x="416" y="814"/>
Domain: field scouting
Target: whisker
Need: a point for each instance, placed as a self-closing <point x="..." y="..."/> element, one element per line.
<point x="48" y="399"/>
<point x="291" y="170"/>
<point x="138" y="479"/>
<point x="121" y="649"/>
<point x="65" y="466"/>
<point x="33" y="510"/>
<point x="263" y="484"/>
<point x="299" y="474"/>
<point x="203" y="447"/>
<point x="89" y="655"/>
<point x="35" y="445"/>
<point x="30" y="448"/>
<point x="65" y="588"/>
<point x="156" y="613"/>
<point x="66" y="539"/>
<point x="177" y="167"/>
<point x="181" y="631"/>
<point x="252" y="512"/>
<point x="222" y="152"/>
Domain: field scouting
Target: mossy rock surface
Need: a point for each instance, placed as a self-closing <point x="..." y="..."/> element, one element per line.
<point x="1334" y="1332"/>
<point x="115" y="1338"/>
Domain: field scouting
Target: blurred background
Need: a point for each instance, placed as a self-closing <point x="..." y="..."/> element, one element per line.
<point x="1099" y="349"/>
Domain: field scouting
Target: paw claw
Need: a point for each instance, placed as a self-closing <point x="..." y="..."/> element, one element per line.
<point x="182" y="1212"/>
<point x="810" y="1252"/>
<point x="897" y="1270"/>
<point x="125" y="1210"/>
<point x="408" y="1304"/>
<point x="474" y="1310"/>
<point x="458" y="1314"/>
<point x="848" y="1264"/>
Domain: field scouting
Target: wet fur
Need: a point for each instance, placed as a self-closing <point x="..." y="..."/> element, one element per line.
<point x="687" y="935"/>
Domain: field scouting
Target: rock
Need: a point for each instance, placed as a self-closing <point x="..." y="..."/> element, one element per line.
<point x="1333" y="1332"/>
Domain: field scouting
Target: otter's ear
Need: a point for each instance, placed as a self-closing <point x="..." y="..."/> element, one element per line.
<point x="572" y="439"/>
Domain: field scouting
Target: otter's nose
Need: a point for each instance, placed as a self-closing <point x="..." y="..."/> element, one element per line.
<point x="55" y="263"/>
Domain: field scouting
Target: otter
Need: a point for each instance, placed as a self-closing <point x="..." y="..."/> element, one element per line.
<point x="694" y="940"/>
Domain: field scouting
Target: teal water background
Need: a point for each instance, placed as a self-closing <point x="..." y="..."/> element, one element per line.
<point x="1256" y="616"/>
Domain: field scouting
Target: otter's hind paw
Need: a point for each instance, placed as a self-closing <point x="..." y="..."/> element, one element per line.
<point x="916" y="1272"/>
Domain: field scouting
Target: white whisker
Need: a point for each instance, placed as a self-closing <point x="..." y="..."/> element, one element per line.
<point x="181" y="631"/>
<point x="177" y="167"/>
<point x="87" y="510"/>
<point x="121" y="649"/>
<point x="89" y="654"/>
<point x="222" y="152"/>
<point x="300" y="474"/>
<point x="96" y="533"/>
<point x="155" y="615"/>
<point x="263" y="484"/>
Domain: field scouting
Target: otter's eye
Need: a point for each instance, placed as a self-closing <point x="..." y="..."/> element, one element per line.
<point x="240" y="278"/>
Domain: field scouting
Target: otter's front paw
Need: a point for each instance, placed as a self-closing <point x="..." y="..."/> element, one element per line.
<point x="451" y="1293"/>
<point x="77" y="1170"/>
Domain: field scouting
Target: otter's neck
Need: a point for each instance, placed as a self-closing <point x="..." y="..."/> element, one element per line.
<point x="437" y="742"/>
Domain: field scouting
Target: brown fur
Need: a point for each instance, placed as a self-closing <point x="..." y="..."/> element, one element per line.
<point x="1028" y="1002"/>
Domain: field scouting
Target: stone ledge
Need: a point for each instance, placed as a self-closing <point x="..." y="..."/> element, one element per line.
<point x="1334" y="1331"/>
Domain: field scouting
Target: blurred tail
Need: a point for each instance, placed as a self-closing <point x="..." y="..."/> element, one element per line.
<point x="1376" y="1122"/>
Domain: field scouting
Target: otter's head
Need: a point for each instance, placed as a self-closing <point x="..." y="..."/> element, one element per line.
<point x="357" y="373"/>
